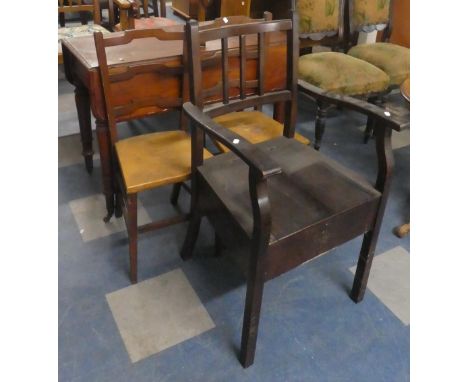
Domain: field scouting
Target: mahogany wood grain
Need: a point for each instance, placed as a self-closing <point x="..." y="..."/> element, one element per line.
<point x="81" y="69"/>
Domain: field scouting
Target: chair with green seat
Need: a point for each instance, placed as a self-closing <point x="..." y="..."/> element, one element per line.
<point x="335" y="72"/>
<point x="365" y="16"/>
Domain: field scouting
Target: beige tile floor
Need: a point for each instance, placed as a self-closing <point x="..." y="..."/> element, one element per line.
<point x="389" y="280"/>
<point x="89" y="211"/>
<point x="158" y="313"/>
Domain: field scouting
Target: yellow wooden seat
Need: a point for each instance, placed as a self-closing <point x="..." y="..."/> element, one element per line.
<point x="153" y="160"/>
<point x="254" y="126"/>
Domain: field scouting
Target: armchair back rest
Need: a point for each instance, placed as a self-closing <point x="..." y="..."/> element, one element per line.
<point x="368" y="16"/>
<point x="74" y="6"/>
<point x="321" y="18"/>
<point x="118" y="80"/>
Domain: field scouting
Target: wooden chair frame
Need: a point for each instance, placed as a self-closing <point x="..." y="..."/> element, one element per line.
<point x="352" y="31"/>
<point x="127" y="203"/>
<point x="127" y="11"/>
<point x="266" y="261"/>
<point x="323" y="108"/>
<point x="77" y="6"/>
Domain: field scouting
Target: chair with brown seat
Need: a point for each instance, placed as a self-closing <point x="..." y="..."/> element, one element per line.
<point x="128" y="15"/>
<point x="334" y="71"/>
<point x="151" y="160"/>
<point x="253" y="125"/>
<point x="279" y="201"/>
<point x="78" y="6"/>
<point x="366" y="16"/>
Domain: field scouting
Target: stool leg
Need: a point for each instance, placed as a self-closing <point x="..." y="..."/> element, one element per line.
<point x="320" y="124"/>
<point x="132" y="227"/>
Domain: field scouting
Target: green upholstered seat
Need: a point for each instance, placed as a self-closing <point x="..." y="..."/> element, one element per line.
<point x="392" y="59"/>
<point x="341" y="73"/>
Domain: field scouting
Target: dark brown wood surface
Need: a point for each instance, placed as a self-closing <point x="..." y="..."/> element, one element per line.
<point x="81" y="69"/>
<point x="280" y="201"/>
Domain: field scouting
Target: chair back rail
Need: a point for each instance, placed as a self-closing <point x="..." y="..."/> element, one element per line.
<point x="117" y="79"/>
<point x="366" y="16"/>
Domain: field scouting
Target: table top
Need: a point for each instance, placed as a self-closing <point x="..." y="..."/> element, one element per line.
<point x="146" y="49"/>
<point x="405" y="89"/>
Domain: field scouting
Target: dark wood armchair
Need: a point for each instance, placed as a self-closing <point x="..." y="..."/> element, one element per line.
<point x="134" y="14"/>
<point x="280" y="202"/>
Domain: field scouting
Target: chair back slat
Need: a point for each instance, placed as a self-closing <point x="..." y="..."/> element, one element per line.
<point x="225" y="71"/>
<point x="243" y="64"/>
<point x="244" y="49"/>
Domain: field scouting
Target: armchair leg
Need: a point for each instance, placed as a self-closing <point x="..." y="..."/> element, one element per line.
<point x="253" y="303"/>
<point x="320" y="124"/>
<point x="364" y="266"/>
<point x="378" y="101"/>
<point x="191" y="236"/>
<point x="132" y="228"/>
<point x="218" y="246"/>
<point x="175" y="193"/>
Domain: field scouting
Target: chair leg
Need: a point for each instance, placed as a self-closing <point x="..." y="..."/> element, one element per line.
<point x="191" y="237"/>
<point x="253" y="303"/>
<point x="218" y="245"/>
<point x="132" y="227"/>
<point x="320" y="124"/>
<point x="369" y="129"/>
<point x="118" y="204"/>
<point x="175" y="193"/>
<point x="62" y="19"/>
<point x="364" y="266"/>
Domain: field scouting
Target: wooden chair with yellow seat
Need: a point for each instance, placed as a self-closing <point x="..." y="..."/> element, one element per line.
<point x="365" y="16"/>
<point x="146" y="161"/>
<point x="336" y="72"/>
<point x="253" y="125"/>
<point x="78" y="6"/>
<point x="128" y="15"/>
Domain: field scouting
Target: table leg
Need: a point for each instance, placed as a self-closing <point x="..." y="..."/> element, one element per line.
<point x="106" y="167"/>
<point x="84" y="119"/>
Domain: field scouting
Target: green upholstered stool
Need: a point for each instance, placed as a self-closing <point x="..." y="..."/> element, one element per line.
<point x="391" y="58"/>
<point x="342" y="74"/>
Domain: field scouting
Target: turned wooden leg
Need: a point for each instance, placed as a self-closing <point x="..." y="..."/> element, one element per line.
<point x="175" y="193"/>
<point x="369" y="132"/>
<point x="320" y="124"/>
<point x="84" y="119"/>
<point x="132" y="227"/>
<point x="253" y="303"/>
<point x="106" y="167"/>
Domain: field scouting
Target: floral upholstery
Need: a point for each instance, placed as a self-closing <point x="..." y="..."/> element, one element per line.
<point x="82" y="30"/>
<point x="150" y="23"/>
<point x="370" y="12"/>
<point x="392" y="59"/>
<point x="318" y="16"/>
<point x="342" y="74"/>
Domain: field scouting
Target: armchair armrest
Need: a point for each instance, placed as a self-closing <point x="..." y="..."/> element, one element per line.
<point x="249" y="153"/>
<point x="381" y="116"/>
